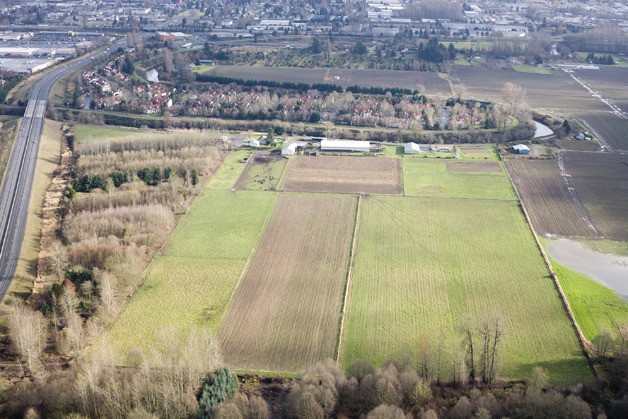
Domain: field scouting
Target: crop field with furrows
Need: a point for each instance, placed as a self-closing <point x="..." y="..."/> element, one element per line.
<point x="600" y="181"/>
<point x="607" y="125"/>
<point x="285" y="315"/>
<point x="610" y="82"/>
<point x="552" y="208"/>
<point x="452" y="178"/>
<point x="557" y="90"/>
<point x="427" y="82"/>
<point x="343" y="174"/>
<point x="191" y="283"/>
<point x="422" y="264"/>
<point x="263" y="173"/>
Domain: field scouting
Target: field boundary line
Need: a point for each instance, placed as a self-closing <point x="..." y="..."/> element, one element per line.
<point x="585" y="345"/>
<point x="283" y="175"/>
<point x="283" y="172"/>
<point x="243" y="173"/>
<point x="347" y="287"/>
<point x="247" y="262"/>
<point x="402" y="177"/>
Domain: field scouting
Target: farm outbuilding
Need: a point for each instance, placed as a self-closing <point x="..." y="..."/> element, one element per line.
<point x="345" y="145"/>
<point x="253" y="143"/>
<point x="290" y="149"/>
<point x="520" y="149"/>
<point x="411" y="148"/>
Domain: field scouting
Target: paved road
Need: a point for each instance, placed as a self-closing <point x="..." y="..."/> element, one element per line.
<point x="18" y="181"/>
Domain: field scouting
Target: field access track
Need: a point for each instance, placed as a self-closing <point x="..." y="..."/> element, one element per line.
<point x="343" y="174"/>
<point x="286" y="312"/>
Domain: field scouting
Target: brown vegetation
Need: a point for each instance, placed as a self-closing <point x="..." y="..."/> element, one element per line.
<point x="552" y="208"/>
<point x="343" y="174"/>
<point x="285" y="313"/>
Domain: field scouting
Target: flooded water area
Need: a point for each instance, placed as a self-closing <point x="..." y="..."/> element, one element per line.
<point x="608" y="270"/>
<point x="542" y="130"/>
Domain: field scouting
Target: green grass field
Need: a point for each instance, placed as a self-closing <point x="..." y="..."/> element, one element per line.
<point x="263" y="176"/>
<point x="423" y="263"/>
<point x="230" y="170"/>
<point x="191" y="283"/>
<point x="86" y="133"/>
<point x="431" y="177"/>
<point x="596" y="308"/>
<point x="525" y="68"/>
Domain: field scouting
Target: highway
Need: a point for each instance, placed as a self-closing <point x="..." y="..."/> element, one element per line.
<point x="18" y="181"/>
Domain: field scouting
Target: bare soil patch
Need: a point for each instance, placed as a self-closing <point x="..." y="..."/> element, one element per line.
<point x="479" y="149"/>
<point x="430" y="83"/>
<point x="474" y="166"/>
<point x="286" y="312"/>
<point x="344" y="174"/>
<point x="600" y="181"/>
<point x="552" y="208"/>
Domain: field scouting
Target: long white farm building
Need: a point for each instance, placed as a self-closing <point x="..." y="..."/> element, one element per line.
<point x="345" y="145"/>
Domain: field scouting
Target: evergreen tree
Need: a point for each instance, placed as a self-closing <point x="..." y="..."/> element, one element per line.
<point x="220" y="386"/>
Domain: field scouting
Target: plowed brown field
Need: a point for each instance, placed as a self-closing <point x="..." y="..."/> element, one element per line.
<point x="344" y="174"/>
<point x="286" y="312"/>
<point x="552" y="208"/>
<point x="601" y="180"/>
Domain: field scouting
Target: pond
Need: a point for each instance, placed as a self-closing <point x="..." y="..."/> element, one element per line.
<point x="608" y="270"/>
<point x="542" y="130"/>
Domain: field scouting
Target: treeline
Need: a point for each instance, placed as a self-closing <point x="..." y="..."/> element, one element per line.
<point x="520" y="132"/>
<point x="397" y="390"/>
<point x="304" y="87"/>
<point x="607" y="40"/>
<point x="600" y="59"/>
<point x="300" y="87"/>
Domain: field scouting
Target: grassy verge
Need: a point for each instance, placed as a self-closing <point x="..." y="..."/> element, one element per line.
<point x="86" y="133"/>
<point x="8" y="131"/>
<point x="596" y="308"/>
<point x="47" y="161"/>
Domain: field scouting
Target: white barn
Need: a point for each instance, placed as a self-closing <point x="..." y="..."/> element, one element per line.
<point x="345" y="145"/>
<point x="411" y="148"/>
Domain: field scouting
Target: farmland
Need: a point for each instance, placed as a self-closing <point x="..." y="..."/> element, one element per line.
<point x="609" y="81"/>
<point x="285" y="315"/>
<point x="448" y="178"/>
<point x="600" y="181"/>
<point x="555" y="91"/>
<point x="552" y="208"/>
<point x="611" y="128"/>
<point x="268" y="270"/>
<point x="343" y="174"/>
<point x="423" y="263"/>
<point x="596" y="307"/>
<point x="191" y="283"/>
<point x="262" y="173"/>
<point x="430" y="83"/>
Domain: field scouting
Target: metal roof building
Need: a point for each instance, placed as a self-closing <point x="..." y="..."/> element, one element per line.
<point x="411" y="148"/>
<point x="345" y="145"/>
<point x="521" y="149"/>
